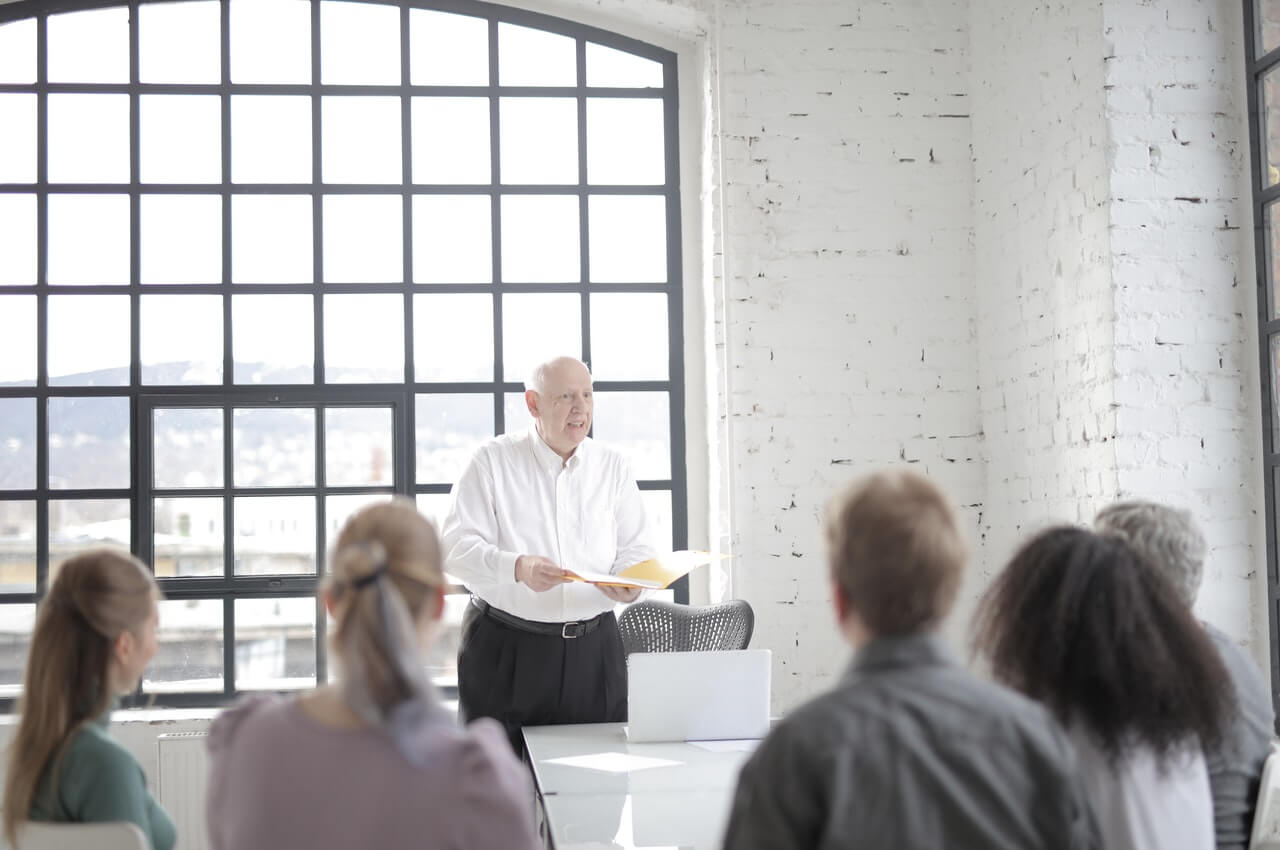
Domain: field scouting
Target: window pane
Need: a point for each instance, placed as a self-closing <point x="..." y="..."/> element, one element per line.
<point x="531" y="57"/>
<point x="17" y="549"/>
<point x="75" y="319"/>
<point x="88" y="443"/>
<point x="16" y="625"/>
<point x="181" y="239"/>
<point x="536" y="328"/>
<point x="452" y="239"/>
<point x="186" y="447"/>
<point x="515" y="411"/>
<point x="639" y="426"/>
<point x="452" y="337"/>
<point x="363" y="338"/>
<point x="629" y="337"/>
<point x="179" y="42"/>
<point x="275" y="643"/>
<point x="538" y="139"/>
<point x="448" y="429"/>
<point x="611" y="68"/>
<point x="18" y="240"/>
<point x="628" y="238"/>
<point x="275" y="535"/>
<point x="180" y="138"/>
<point x="273" y="338"/>
<point x="18" y="51"/>
<point x="271" y="239"/>
<point x="450" y="140"/>
<point x="18" y="141"/>
<point x="448" y="50"/>
<point x="189" y="537"/>
<point x="540" y="239"/>
<point x="359" y="43"/>
<point x="78" y="525"/>
<point x="17" y="340"/>
<point x="274" y="447"/>
<point x="270" y="41"/>
<point x="363" y="239"/>
<point x="1269" y="122"/>
<point x="189" y="645"/>
<point x="358" y="448"/>
<point x="1268" y="12"/>
<point x="17" y="444"/>
<point x="1275" y="389"/>
<point x="625" y="141"/>
<point x="88" y="138"/>
<point x="89" y="47"/>
<point x="361" y="139"/>
<point x="1272" y="247"/>
<point x="181" y="339"/>
<point x="657" y="512"/>
<point x="88" y="239"/>
<point x="442" y="655"/>
<point x="435" y="507"/>
<point x="270" y="139"/>
<point x="339" y="509"/>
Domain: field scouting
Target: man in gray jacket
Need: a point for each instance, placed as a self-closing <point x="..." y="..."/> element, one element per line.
<point x="909" y="751"/>
<point x="1170" y="539"/>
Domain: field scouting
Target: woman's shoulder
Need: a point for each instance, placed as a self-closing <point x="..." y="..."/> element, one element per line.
<point x="485" y="758"/>
<point x="248" y="712"/>
<point x="92" y="744"/>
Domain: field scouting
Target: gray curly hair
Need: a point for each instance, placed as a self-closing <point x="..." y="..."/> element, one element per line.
<point x="1168" y="537"/>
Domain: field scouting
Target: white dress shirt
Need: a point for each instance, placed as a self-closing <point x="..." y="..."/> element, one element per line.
<point x="1139" y="805"/>
<point x="518" y="497"/>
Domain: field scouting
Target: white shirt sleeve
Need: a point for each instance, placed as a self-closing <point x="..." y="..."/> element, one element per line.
<point x="470" y="530"/>
<point x="634" y="544"/>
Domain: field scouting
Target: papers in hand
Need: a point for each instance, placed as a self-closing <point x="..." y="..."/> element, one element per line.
<point x="653" y="574"/>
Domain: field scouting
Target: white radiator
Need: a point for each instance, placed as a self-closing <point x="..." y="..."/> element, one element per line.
<point x="184" y="776"/>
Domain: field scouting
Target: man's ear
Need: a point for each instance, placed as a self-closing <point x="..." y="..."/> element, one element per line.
<point x="531" y="401"/>
<point x="327" y="598"/>
<point x="841" y="603"/>
<point x="438" y="608"/>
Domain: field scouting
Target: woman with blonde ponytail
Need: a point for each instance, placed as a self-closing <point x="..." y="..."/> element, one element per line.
<point x="372" y="759"/>
<point x="95" y="634"/>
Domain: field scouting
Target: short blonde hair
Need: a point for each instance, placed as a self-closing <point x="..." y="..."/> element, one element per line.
<point x="896" y="551"/>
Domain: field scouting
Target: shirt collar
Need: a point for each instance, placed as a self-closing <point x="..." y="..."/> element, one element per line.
<point x="547" y="457"/>
<point x="920" y="649"/>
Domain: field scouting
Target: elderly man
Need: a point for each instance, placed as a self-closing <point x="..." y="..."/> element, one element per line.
<point x="908" y="751"/>
<point x="538" y="648"/>
<point x="1169" y="538"/>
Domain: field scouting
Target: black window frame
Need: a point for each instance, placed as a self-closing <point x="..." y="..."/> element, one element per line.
<point x="402" y="396"/>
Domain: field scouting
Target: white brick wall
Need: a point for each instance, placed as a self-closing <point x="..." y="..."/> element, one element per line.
<point x="850" y="300"/>
<point x="1185" y="336"/>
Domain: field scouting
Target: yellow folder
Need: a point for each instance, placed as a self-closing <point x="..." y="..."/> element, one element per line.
<point x="655" y="573"/>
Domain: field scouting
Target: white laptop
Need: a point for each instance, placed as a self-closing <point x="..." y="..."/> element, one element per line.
<point x="698" y="696"/>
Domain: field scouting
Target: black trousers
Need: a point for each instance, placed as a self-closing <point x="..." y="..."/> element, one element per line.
<point x="524" y="679"/>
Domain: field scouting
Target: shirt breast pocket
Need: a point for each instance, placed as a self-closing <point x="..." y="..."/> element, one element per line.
<point x="600" y="537"/>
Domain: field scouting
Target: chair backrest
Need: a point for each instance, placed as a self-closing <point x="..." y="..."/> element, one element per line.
<point x="1266" y="816"/>
<point x="657" y="626"/>
<point x="37" y="835"/>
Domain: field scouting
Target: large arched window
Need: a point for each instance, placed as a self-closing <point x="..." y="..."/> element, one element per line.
<point x="262" y="261"/>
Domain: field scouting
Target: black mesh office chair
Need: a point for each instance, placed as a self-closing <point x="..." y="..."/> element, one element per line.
<point x="656" y="626"/>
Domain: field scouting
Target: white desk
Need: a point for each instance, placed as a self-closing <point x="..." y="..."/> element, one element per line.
<point x="623" y="802"/>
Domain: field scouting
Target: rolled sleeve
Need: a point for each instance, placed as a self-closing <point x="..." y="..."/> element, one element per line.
<point x="470" y="530"/>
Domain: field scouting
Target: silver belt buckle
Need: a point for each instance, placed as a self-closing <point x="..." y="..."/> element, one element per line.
<point x="564" y="631"/>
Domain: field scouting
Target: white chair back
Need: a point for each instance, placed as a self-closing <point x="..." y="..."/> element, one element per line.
<point x="80" y="836"/>
<point x="1266" y="817"/>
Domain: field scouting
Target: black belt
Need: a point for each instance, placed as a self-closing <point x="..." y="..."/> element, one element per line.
<point x="574" y="629"/>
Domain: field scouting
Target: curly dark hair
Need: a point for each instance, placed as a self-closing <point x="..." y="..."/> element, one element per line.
<point x="1082" y="624"/>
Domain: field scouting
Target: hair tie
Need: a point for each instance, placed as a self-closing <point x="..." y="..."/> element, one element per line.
<point x="371" y="577"/>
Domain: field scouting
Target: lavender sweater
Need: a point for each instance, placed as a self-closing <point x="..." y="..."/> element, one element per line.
<point x="280" y="780"/>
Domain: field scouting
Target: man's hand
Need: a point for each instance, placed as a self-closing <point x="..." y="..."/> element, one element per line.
<point x="620" y="594"/>
<point x="539" y="573"/>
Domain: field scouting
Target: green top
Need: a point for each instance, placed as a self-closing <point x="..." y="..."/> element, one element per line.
<point x="100" y="781"/>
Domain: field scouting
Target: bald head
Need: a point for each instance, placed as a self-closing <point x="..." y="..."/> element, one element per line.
<point x="558" y="395"/>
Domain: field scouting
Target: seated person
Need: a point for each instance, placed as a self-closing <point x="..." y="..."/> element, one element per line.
<point x="372" y="760"/>
<point x="95" y="634"/>
<point x="908" y="751"/>
<point x="1082" y="624"/>
<point x="1170" y="540"/>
